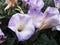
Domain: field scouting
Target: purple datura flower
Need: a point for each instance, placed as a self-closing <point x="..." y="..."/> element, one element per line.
<point x="57" y="3"/>
<point x="35" y="4"/>
<point x="22" y="25"/>
<point x="45" y="20"/>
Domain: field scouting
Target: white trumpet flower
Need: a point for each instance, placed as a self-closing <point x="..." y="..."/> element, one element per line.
<point x="22" y="25"/>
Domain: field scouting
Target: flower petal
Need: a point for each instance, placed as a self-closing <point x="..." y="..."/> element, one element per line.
<point x="36" y="17"/>
<point x="1" y="33"/>
<point x="27" y="32"/>
<point x="28" y="29"/>
<point x="17" y="20"/>
<point x="50" y="18"/>
<point x="57" y="3"/>
<point x="58" y="26"/>
<point x="14" y="21"/>
<point x="52" y="11"/>
<point x="50" y="22"/>
<point x="36" y="4"/>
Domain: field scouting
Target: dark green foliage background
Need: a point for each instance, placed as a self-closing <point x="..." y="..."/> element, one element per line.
<point x="43" y="37"/>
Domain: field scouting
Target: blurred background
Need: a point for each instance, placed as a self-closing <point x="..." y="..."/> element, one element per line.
<point x="44" y="37"/>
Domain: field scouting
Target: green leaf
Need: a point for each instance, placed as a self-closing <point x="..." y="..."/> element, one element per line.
<point x="44" y="40"/>
<point x="44" y="37"/>
<point x="48" y="3"/>
<point x="1" y="17"/>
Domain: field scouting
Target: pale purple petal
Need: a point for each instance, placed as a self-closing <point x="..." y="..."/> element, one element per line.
<point x="51" y="11"/>
<point x="17" y="19"/>
<point x="1" y="33"/>
<point x="57" y="3"/>
<point x="50" y="14"/>
<point x="24" y="19"/>
<point x="14" y="21"/>
<point x="36" y="17"/>
<point x="34" y="11"/>
<point x="50" y="18"/>
<point x="2" y="37"/>
<point x="50" y="22"/>
<point x="27" y="32"/>
<point x="36" y="4"/>
<point x="58" y="26"/>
